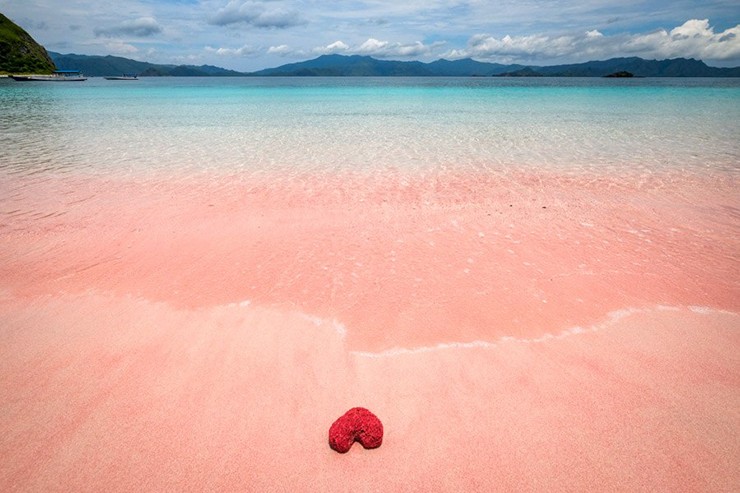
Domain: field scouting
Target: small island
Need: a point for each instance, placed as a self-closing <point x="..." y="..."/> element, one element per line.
<point x="620" y="74"/>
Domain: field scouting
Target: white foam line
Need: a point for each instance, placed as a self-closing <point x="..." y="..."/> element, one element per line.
<point x="425" y="349"/>
<point x="474" y="344"/>
<point x="339" y="328"/>
<point x="705" y="310"/>
<point x="240" y="304"/>
<point x="610" y="319"/>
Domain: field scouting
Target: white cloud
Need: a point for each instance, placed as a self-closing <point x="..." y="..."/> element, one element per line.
<point x="332" y="48"/>
<point x="693" y="39"/>
<point x="245" y="50"/>
<point x="281" y="50"/>
<point x="385" y="49"/>
<point x="488" y="46"/>
<point x="120" y="48"/>
<point x="141" y="27"/>
<point x="455" y="54"/>
<point x="371" y="47"/>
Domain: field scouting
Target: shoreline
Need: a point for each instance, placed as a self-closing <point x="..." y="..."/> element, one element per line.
<point x="401" y="260"/>
<point x="641" y="401"/>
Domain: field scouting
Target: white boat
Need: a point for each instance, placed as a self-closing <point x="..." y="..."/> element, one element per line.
<point x="122" y="77"/>
<point x="57" y="76"/>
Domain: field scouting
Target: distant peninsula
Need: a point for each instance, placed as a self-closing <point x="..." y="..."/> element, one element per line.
<point x="365" y="66"/>
<point x="101" y="66"/>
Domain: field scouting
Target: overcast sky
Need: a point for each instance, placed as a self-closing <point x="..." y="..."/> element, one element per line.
<point x="249" y="35"/>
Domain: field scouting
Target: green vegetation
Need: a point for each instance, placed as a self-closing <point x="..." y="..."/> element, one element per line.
<point x="100" y="66"/>
<point x="19" y="53"/>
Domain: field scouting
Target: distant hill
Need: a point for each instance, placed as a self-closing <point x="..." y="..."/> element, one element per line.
<point x="363" y="66"/>
<point x="469" y="67"/>
<point x="100" y="66"/>
<point x="20" y="53"/>
<point x="358" y="66"/>
<point x="341" y="65"/>
<point x="677" y="67"/>
<point x="522" y="72"/>
<point x="348" y="66"/>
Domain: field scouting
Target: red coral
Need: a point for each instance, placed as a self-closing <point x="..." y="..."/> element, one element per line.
<point x="356" y="425"/>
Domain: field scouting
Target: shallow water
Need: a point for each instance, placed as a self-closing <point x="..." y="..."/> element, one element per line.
<point x="251" y="125"/>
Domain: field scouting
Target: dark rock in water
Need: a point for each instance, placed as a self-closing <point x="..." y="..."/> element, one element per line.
<point x="622" y="73"/>
<point x="356" y="425"/>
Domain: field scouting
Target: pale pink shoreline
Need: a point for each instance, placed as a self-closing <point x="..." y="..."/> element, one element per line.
<point x="404" y="260"/>
<point x="238" y="398"/>
<point x="513" y="332"/>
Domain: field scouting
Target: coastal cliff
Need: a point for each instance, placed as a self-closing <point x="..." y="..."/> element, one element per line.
<point x="19" y="52"/>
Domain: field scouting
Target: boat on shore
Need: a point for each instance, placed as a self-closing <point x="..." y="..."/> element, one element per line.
<point x="57" y="76"/>
<point x="122" y="77"/>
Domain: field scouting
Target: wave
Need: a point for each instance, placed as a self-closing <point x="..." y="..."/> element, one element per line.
<point x="611" y="319"/>
<point x="235" y="313"/>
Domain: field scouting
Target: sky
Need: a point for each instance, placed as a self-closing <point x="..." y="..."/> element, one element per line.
<point x="248" y="35"/>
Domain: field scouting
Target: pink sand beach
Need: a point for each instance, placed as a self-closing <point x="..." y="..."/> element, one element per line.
<point x="513" y="332"/>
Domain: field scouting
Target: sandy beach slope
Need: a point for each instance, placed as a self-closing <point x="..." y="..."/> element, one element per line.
<point x="512" y="332"/>
<point x="104" y="393"/>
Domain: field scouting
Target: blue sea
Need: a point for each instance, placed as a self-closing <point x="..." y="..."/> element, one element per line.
<point x="253" y="125"/>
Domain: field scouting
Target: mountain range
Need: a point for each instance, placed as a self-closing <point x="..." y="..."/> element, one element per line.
<point x="99" y="66"/>
<point x="364" y="66"/>
<point x="340" y="65"/>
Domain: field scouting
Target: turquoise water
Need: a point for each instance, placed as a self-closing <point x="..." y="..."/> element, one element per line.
<point x="192" y="125"/>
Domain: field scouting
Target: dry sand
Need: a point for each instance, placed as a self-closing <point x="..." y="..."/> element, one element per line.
<point x="513" y="333"/>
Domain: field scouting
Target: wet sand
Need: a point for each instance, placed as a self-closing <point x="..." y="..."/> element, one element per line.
<point x="531" y="332"/>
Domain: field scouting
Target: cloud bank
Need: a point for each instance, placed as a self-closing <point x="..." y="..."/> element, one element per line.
<point x="385" y="49"/>
<point x="693" y="39"/>
<point x="371" y="47"/>
<point x="243" y="51"/>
